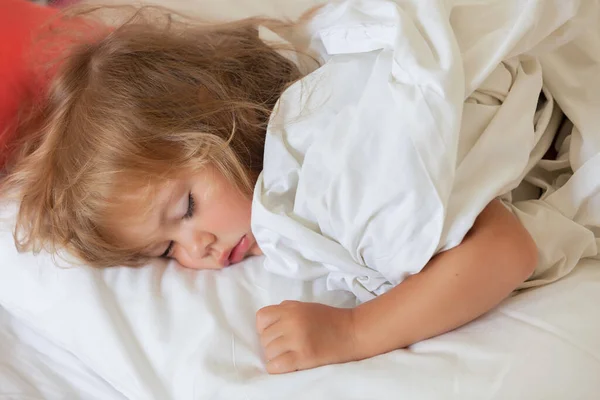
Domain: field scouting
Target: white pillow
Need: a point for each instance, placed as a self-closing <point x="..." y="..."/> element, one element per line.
<point x="152" y="332"/>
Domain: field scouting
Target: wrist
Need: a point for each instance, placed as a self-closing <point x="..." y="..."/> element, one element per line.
<point x="375" y="327"/>
<point x="358" y="337"/>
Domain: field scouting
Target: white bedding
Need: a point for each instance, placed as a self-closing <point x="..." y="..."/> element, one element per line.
<point x="163" y="333"/>
<point x="170" y="334"/>
<point x="364" y="182"/>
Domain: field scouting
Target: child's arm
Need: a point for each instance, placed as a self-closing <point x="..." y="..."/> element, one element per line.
<point x="454" y="288"/>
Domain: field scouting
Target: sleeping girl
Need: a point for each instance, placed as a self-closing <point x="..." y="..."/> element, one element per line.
<point x="206" y="144"/>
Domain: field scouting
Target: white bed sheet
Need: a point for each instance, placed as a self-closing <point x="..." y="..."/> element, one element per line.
<point x="165" y="333"/>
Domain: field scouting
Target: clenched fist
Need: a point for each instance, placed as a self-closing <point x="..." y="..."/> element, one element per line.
<point x="297" y="336"/>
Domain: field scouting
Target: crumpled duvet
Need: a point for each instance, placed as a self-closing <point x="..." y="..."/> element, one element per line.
<point x="421" y="114"/>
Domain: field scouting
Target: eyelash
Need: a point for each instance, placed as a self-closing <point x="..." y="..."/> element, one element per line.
<point x="168" y="250"/>
<point x="189" y="214"/>
<point x="191" y="207"/>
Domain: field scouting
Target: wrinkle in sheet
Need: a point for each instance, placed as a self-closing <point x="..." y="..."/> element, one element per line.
<point x="551" y="329"/>
<point x="138" y="357"/>
<point x="235" y="367"/>
<point x="499" y="379"/>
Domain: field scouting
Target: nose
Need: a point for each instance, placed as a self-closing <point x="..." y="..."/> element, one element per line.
<point x="196" y="244"/>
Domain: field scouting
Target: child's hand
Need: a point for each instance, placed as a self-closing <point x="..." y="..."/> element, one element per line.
<point x="298" y="336"/>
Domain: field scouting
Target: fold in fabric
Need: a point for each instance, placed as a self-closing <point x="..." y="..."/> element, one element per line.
<point x="421" y="114"/>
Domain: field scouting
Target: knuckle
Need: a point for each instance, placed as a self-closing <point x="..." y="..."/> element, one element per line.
<point x="259" y="322"/>
<point x="259" y="319"/>
<point x="260" y="314"/>
<point x="264" y="341"/>
<point x="264" y="311"/>
<point x="270" y="353"/>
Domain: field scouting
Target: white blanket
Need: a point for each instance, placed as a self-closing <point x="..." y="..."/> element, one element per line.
<point x="423" y="112"/>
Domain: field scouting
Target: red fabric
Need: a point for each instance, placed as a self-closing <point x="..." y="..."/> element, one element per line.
<point x="63" y="3"/>
<point x="20" y="20"/>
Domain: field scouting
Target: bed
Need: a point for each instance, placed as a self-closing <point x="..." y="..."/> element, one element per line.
<point x="163" y="332"/>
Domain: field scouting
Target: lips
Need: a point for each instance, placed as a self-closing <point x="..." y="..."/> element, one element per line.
<point x="239" y="251"/>
<point x="235" y="254"/>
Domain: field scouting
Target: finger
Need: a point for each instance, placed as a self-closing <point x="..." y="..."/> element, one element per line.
<point x="266" y="317"/>
<point x="276" y="348"/>
<point x="282" y="364"/>
<point x="271" y="333"/>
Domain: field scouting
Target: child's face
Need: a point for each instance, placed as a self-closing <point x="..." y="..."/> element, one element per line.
<point x="199" y="219"/>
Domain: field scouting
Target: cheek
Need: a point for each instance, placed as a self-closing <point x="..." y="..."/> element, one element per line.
<point x="241" y="210"/>
<point x="182" y="258"/>
<point x="230" y="215"/>
<point x="187" y="262"/>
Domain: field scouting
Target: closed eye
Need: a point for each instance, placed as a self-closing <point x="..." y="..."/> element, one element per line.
<point x="191" y="206"/>
<point x="167" y="252"/>
<point x="188" y="214"/>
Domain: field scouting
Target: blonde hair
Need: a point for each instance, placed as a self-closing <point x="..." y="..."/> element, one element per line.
<point x="144" y="101"/>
